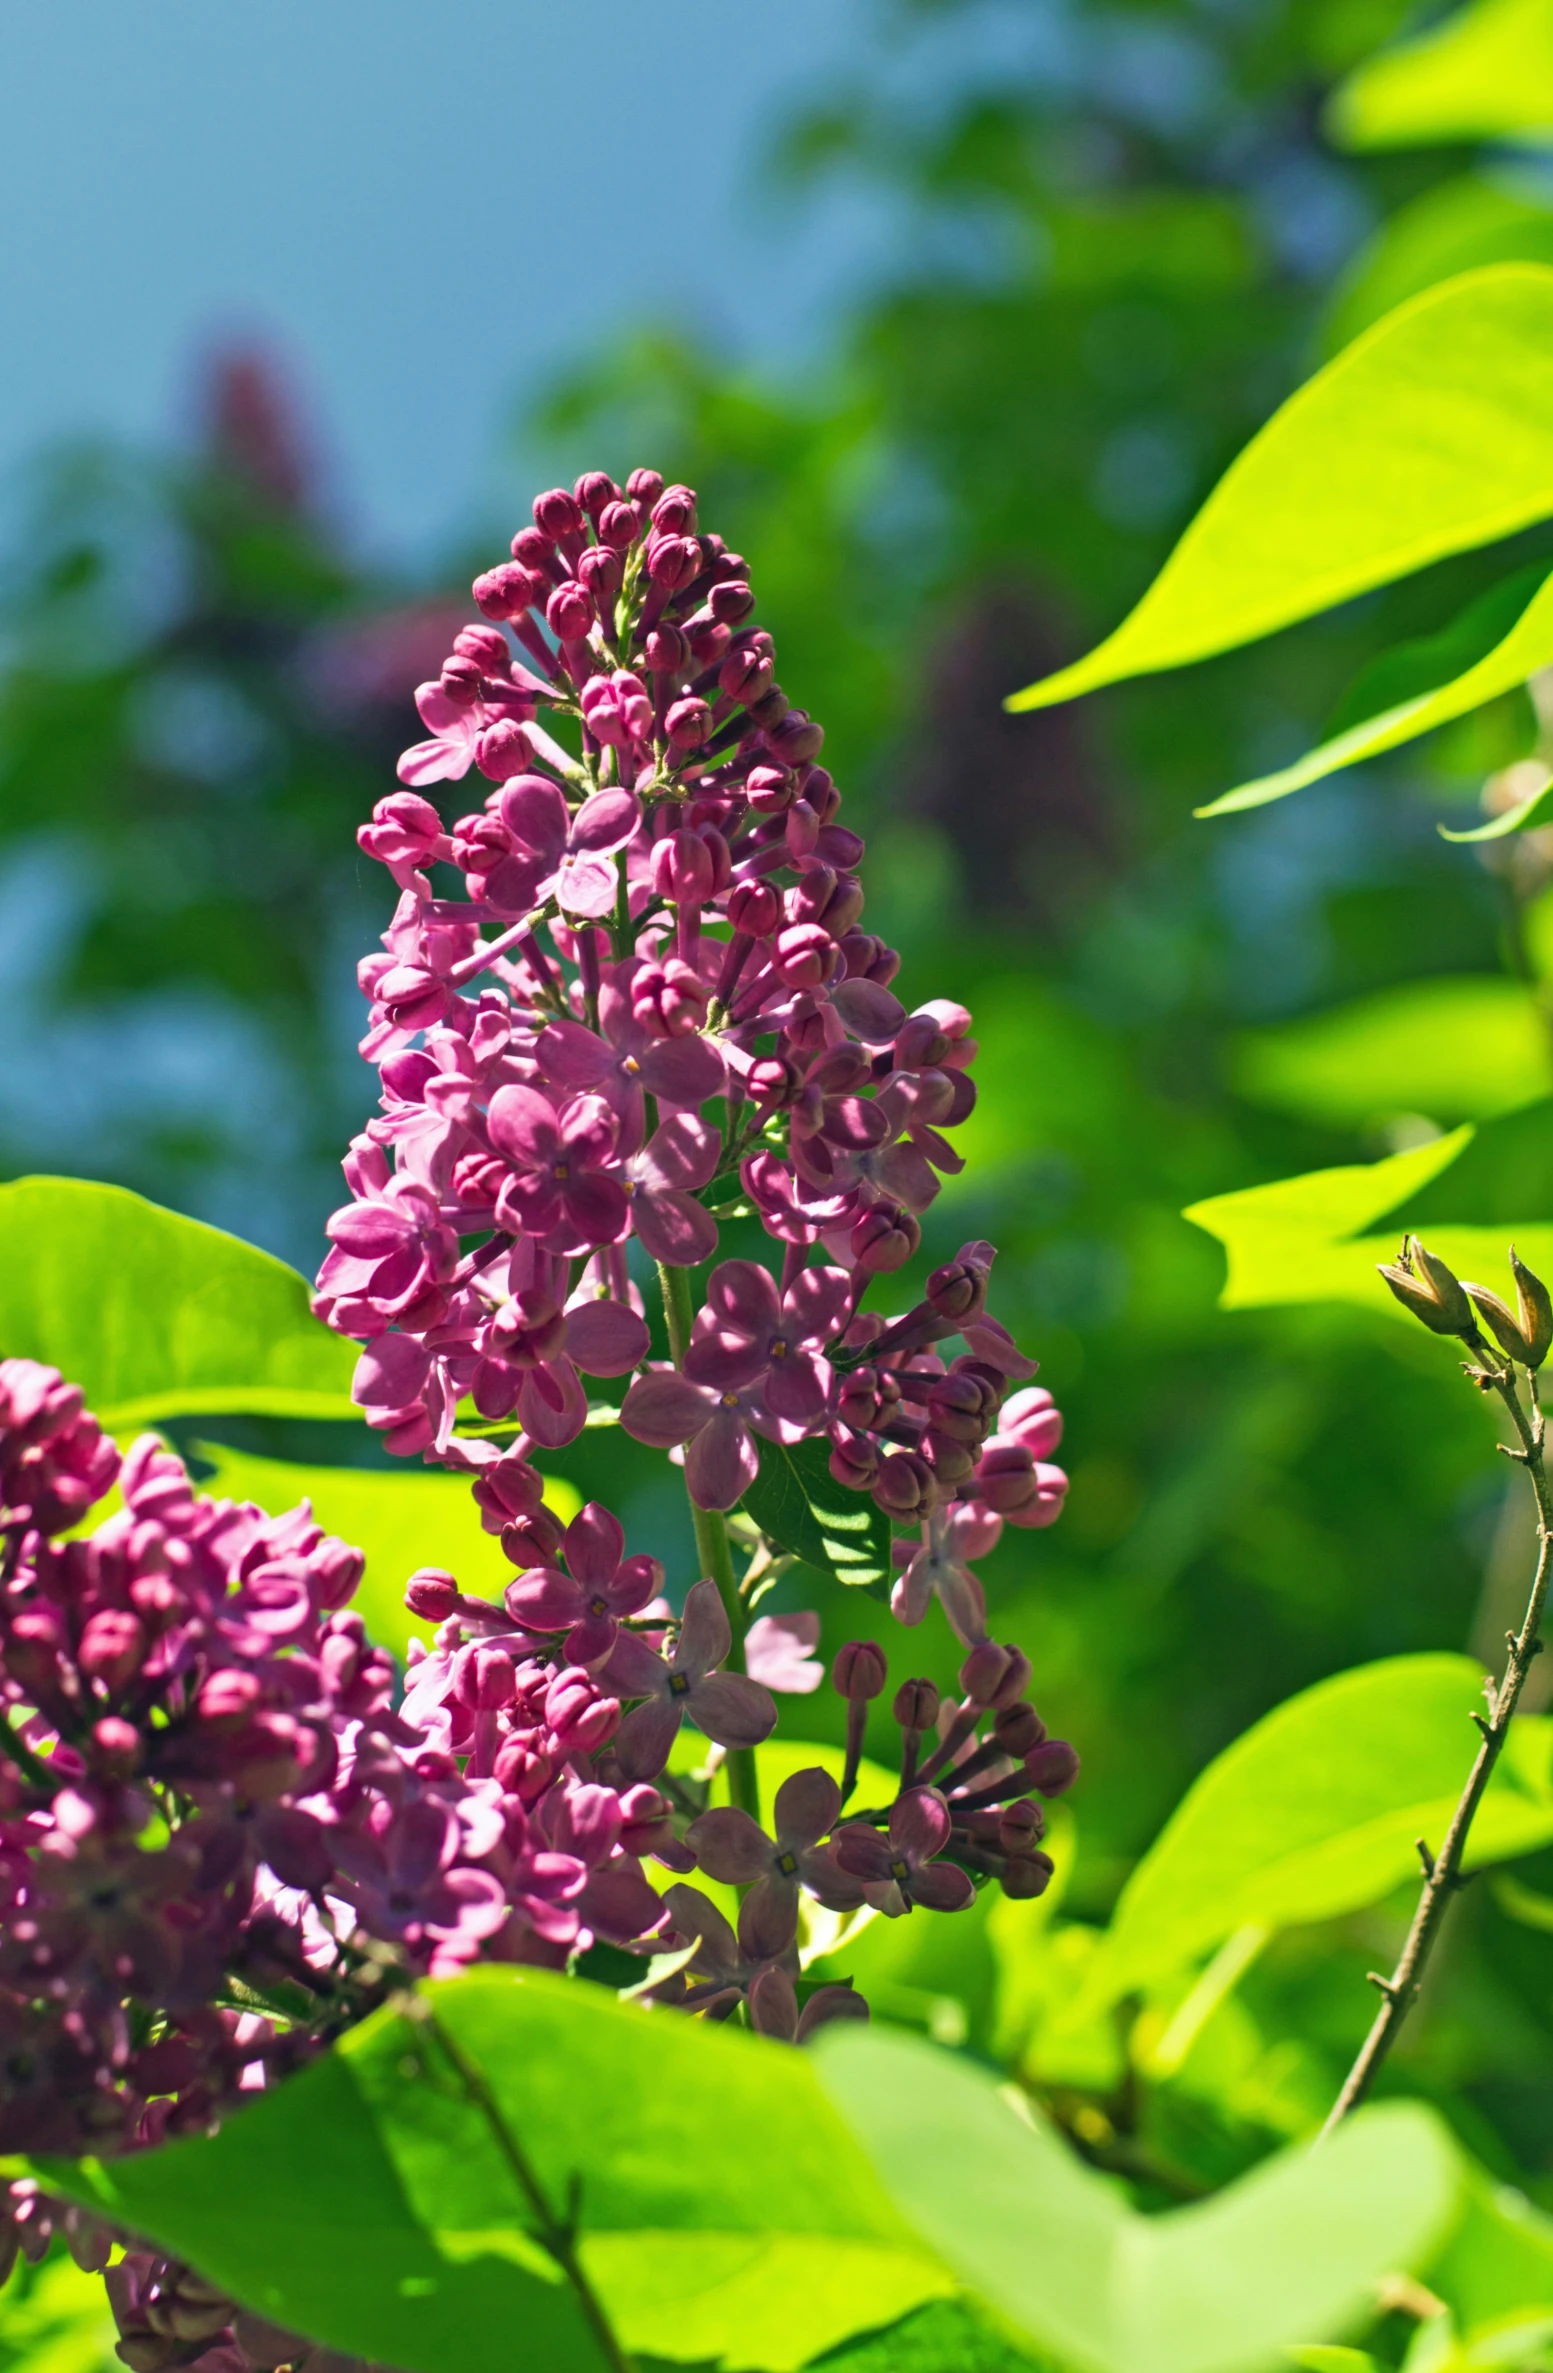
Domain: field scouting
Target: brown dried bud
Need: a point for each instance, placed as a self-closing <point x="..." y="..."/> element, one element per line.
<point x="1423" y="1284"/>
<point x="1525" y="1334"/>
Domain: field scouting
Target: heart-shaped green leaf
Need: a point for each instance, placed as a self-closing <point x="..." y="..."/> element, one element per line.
<point x="724" y="2211"/>
<point x="1497" y="642"/>
<point x="798" y="1503"/>
<point x="1431" y="433"/>
<point x="1456" y="1049"/>
<point x="154" y="1315"/>
<point x="1315" y="1810"/>
<point x="1485" y="72"/>
<point x="1290" y="2253"/>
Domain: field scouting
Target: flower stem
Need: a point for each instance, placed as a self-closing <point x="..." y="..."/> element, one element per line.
<point x="712" y="1544"/>
<point x="558" y="2235"/>
<point x="1442" y="1871"/>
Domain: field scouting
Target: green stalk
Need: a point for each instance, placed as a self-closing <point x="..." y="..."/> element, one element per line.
<point x="712" y="1544"/>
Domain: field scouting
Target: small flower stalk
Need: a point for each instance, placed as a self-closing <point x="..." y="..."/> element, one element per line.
<point x="629" y="1029"/>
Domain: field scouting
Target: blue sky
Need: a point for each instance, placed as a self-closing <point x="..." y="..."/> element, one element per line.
<point x="425" y="208"/>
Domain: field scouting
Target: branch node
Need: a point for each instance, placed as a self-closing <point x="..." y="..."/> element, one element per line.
<point x="1425" y="1857"/>
<point x="1483" y="1723"/>
<point x="1386" y="1985"/>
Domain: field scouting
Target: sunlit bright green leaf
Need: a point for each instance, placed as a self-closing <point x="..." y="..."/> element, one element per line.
<point x="1431" y="433"/>
<point x="1452" y="1050"/>
<point x="159" y="1316"/>
<point x="797" y="1500"/>
<point x="1318" y="1238"/>
<point x="1315" y="1811"/>
<point x="1500" y="640"/>
<point x="1289" y="2253"/>
<point x="725" y="2212"/>
<point x="1536" y="809"/>
<point x="1454" y="227"/>
<point x="401" y="1521"/>
<point x="55" y="2319"/>
<point x="1486" y="71"/>
<point x="1497" y="2260"/>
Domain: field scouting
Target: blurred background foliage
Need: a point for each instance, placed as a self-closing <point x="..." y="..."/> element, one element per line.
<point x="1126" y="241"/>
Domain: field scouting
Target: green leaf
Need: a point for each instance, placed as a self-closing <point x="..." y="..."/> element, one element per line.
<point x="1454" y="1050"/>
<point x="401" y="1521"/>
<point x="1496" y="643"/>
<point x="947" y="2336"/>
<point x="379" y="2215"/>
<point x="55" y="2319"/>
<point x="1431" y="433"/>
<point x="1498" y="2259"/>
<point x="1485" y="72"/>
<point x="1318" y="1238"/>
<point x="798" y="1503"/>
<point x="1314" y="1811"/>
<point x="1535" y="809"/>
<point x="1456" y="226"/>
<point x="159" y="1316"/>
<point x="1290" y="2252"/>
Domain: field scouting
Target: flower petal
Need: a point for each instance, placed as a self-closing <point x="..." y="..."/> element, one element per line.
<point x="534" y="812"/>
<point x="729" y="1846"/>
<point x="943" y="1887"/>
<point x="684" y="1071"/>
<point x="722" y="1462"/>
<point x="806" y="1807"/>
<point x="674" y="1227"/>
<point x="606" y="1338"/>
<point x="664" y="1408"/>
<point x="606" y="821"/>
<point x="919" y="1824"/>
<point x="543" y="1599"/>
<point x="595" y="1544"/>
<point x="732" y="1709"/>
<point x="523" y="1127"/>
<point x="684" y="1152"/>
<point x="643" y="1741"/>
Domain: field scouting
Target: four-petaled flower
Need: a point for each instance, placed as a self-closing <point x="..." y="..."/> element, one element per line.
<point x="731" y="1709"/>
<point x="747" y="1334"/>
<point x="572" y="856"/>
<point x="560" y="1184"/>
<point x="603" y="1585"/>
<point x="898" y="1869"/>
<point x="731" y="1847"/>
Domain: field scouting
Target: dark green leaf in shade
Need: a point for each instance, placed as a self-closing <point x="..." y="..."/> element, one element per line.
<point x="798" y="1503"/>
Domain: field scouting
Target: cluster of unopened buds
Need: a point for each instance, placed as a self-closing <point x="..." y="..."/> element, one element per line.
<point x="648" y="1013"/>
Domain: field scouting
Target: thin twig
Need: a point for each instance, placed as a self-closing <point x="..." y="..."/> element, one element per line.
<point x="558" y="2235"/>
<point x="1443" y="1879"/>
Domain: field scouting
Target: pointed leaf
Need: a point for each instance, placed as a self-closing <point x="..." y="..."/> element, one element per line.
<point x="1496" y="643"/>
<point x="1431" y="433"/>
<point x="1454" y="1050"/>
<point x="1455" y="226"/>
<point x="155" y="1315"/>
<point x="1315" y="1810"/>
<point x="379" y="2215"/>
<point x="1526" y="817"/>
<point x="1485" y="72"/>
<point x="1288" y="2253"/>
<point x="797" y="1502"/>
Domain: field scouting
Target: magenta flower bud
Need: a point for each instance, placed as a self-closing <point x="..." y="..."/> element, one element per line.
<point x="504" y="592"/>
<point x="754" y="909"/>
<point x="115" y="1746"/>
<point x="730" y="601"/>
<point x="916" y="1705"/>
<point x="113" y="1646"/>
<point x="599" y="569"/>
<point x="984" y="1671"/>
<point x="707" y="641"/>
<point x="523" y="1768"/>
<point x="578" y="1716"/>
<point x="682" y="868"/>
<point x="509" y="1489"/>
<point x="885" y="1238"/>
<point x="794" y="738"/>
<point x="558" y="514"/>
<point x="952" y="1463"/>
<point x="853" y="1461"/>
<point x="432" y="1594"/>
<point x="774" y="1082"/>
<point x="1052" y="1767"/>
<point x="484" y="646"/>
<point x="1027" y="1875"/>
<point x="770" y="790"/>
<point x="868" y="1398"/>
<point x="617" y="526"/>
<point x="905" y="1487"/>
<point x="569" y="611"/>
<point x="667" y="651"/>
<point x="1019" y="1825"/>
<point x="486" y="1678"/>
<point x="671" y="999"/>
<point x="534" y="1541"/>
<point x="1015" y="1681"/>
<point x="536" y="551"/>
<point x="920" y="1044"/>
<point x="769" y="708"/>
<point x="1006" y="1472"/>
<point x="1033" y="1418"/>
<point x="229" y="1698"/>
<point x="957" y="1290"/>
<point x="503" y="751"/>
<point x="644" y="486"/>
<point x="674" y="562"/>
<point x="805" y="955"/>
<point x="746" y="675"/>
<point x="1017" y="1729"/>
<point x="859" y="1671"/>
<point x="674" y="514"/>
<point x="462" y="680"/>
<point x="688" y="723"/>
<point x="596" y="490"/>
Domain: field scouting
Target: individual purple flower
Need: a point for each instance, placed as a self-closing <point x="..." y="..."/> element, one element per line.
<point x="390" y="1253"/>
<point x="561" y="1184"/>
<point x="587" y="1602"/>
<point x="734" y="1849"/>
<point x="624" y="1060"/>
<point x="748" y="1334"/>
<point x="951" y="1537"/>
<point x="681" y="1155"/>
<point x="459" y="724"/>
<point x="725" y="1964"/>
<point x="665" y="1409"/>
<point x="405" y="1880"/>
<point x="779" y="1651"/>
<point x="731" y="1709"/>
<point x="898" y="1870"/>
<point x="572" y="856"/>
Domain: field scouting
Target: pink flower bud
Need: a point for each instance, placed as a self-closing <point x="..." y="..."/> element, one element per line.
<point x="432" y="1594"/>
<point x="1027" y="1875"/>
<point x="805" y="955"/>
<point x="983" y="1672"/>
<point x="484" y="646"/>
<point x="794" y="737"/>
<point x="228" y="1698"/>
<point x="885" y="1238"/>
<point x="535" y="1541"/>
<point x="116" y="1746"/>
<point x="1020" y="1824"/>
<point x="617" y="526"/>
<point x="503" y="751"/>
<point x="462" y="680"/>
<point x="674" y="513"/>
<point x="730" y="601"/>
<point x="687" y="723"/>
<point x="523" y="1768"/>
<point x="957" y="1290"/>
<point x="599" y="569"/>
<point x="577" y="1714"/>
<point x="485" y="1678"/>
<point x="1033" y="1418"/>
<point x="754" y="908"/>
<point x="854" y="1461"/>
<point x="113" y="1646"/>
<point x="558" y="513"/>
<point x="667" y="651"/>
<point x="674" y="562"/>
<point x="569" y="611"/>
<point x="1052" y="1767"/>
<point x="504" y="592"/>
<point x="536" y="551"/>
<point x="859" y="1671"/>
<point x="905" y="1487"/>
<point x="671" y="999"/>
<point x="644" y="486"/>
<point x="770" y="790"/>
<point x="1017" y="1729"/>
<point x="595" y="490"/>
<point x="916" y="1705"/>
